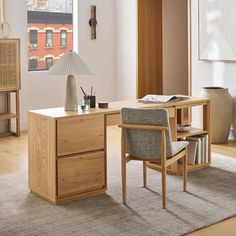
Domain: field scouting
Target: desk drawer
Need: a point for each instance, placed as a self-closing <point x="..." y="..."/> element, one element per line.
<point x="80" y="134"/>
<point x="81" y="173"/>
<point x="113" y="119"/>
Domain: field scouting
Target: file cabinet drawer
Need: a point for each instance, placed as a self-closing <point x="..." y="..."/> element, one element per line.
<point x="80" y="134"/>
<point x="81" y="173"/>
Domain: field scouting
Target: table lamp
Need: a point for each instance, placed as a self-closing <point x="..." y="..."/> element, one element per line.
<point x="71" y="65"/>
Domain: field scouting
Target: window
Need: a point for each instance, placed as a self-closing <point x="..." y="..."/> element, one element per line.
<point x="49" y="62"/>
<point x="33" y="38"/>
<point x="63" y="40"/>
<point x="50" y="31"/>
<point x="33" y="64"/>
<point x="49" y="38"/>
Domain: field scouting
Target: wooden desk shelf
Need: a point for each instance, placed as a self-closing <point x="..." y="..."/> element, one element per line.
<point x="179" y="169"/>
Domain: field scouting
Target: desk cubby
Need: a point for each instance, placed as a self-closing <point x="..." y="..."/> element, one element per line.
<point x="184" y="116"/>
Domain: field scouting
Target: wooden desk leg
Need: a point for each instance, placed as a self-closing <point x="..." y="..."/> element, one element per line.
<point x="189" y="115"/>
<point x="17" y="113"/>
<point x="173" y="128"/>
<point x="184" y="116"/>
<point x="180" y="116"/>
<point x="207" y="125"/>
<point x="105" y="148"/>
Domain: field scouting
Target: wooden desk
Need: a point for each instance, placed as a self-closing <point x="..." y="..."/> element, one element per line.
<point x="67" y="150"/>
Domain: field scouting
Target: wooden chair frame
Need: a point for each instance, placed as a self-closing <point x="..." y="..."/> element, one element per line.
<point x="164" y="161"/>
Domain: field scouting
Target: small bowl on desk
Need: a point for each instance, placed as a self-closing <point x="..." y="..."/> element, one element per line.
<point x="183" y="128"/>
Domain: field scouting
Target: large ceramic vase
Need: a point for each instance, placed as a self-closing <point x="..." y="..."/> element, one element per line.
<point x="221" y="112"/>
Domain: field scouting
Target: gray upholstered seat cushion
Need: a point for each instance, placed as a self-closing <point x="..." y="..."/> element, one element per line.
<point x="178" y="146"/>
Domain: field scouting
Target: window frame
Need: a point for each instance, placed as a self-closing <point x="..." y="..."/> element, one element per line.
<point x="30" y="68"/>
<point x="33" y="44"/>
<point x="46" y="63"/>
<point x="47" y="31"/>
<point x="61" y="38"/>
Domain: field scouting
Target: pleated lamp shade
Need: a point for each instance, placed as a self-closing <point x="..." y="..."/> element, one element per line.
<point x="70" y="64"/>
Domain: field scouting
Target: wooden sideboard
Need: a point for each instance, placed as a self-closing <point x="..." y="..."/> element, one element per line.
<point x="67" y="150"/>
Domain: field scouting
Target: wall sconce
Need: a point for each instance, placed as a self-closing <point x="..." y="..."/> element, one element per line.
<point x="93" y="22"/>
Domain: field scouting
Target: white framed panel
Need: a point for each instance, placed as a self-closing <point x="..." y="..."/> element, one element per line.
<point x="217" y="30"/>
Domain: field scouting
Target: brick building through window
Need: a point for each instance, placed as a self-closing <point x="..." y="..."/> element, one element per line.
<point x="50" y="31"/>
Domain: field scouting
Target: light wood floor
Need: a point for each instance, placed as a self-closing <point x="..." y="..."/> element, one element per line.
<point x="14" y="157"/>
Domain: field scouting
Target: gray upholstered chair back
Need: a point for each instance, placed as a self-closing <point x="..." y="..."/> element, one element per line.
<point x="146" y="144"/>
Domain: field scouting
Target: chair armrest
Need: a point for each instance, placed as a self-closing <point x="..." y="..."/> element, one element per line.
<point x="143" y="127"/>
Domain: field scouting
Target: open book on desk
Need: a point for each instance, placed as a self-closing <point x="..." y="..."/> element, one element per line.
<point x="151" y="98"/>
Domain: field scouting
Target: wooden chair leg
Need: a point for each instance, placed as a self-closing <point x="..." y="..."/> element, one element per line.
<point x="163" y="168"/>
<point x="164" y="187"/>
<point x="123" y="166"/>
<point x="185" y="170"/>
<point x="144" y="174"/>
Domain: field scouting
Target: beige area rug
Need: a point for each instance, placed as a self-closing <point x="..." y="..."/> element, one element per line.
<point x="211" y="198"/>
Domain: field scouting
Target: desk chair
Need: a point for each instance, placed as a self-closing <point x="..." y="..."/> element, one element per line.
<point x="145" y="136"/>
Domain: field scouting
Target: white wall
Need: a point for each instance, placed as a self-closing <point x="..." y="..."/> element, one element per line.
<point x="40" y="90"/>
<point x="126" y="42"/>
<point x="210" y="73"/>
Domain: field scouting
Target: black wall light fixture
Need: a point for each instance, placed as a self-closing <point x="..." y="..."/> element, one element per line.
<point x="93" y="22"/>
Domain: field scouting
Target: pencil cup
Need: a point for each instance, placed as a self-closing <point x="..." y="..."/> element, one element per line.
<point x="92" y="101"/>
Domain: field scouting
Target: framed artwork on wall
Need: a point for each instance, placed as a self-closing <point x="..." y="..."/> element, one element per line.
<point x="217" y="30"/>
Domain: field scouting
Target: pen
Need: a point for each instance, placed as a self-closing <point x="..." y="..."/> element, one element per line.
<point x="83" y="91"/>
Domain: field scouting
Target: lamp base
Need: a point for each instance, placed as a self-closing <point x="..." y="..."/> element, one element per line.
<point x="71" y="102"/>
